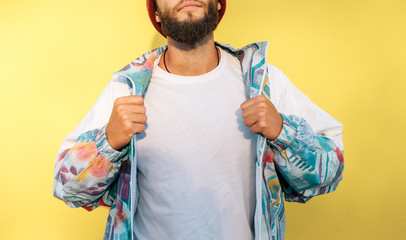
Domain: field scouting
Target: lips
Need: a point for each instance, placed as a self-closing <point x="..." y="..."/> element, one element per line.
<point x="187" y="5"/>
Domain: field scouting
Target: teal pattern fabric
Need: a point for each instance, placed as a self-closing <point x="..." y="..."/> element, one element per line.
<point x="298" y="165"/>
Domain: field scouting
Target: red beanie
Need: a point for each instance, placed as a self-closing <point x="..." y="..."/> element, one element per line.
<point x="151" y="12"/>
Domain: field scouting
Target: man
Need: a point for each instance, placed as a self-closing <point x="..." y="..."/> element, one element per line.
<point x="226" y="135"/>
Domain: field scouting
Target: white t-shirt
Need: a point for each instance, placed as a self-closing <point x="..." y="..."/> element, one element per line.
<point x="196" y="158"/>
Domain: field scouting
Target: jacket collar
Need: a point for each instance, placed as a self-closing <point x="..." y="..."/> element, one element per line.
<point x="252" y="58"/>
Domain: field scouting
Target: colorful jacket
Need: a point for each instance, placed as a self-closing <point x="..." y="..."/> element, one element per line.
<point x="304" y="161"/>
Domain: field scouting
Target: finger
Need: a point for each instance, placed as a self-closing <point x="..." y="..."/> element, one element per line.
<point x="133" y="100"/>
<point x="130" y="108"/>
<point x="253" y="101"/>
<point x="139" y="128"/>
<point x="254" y="109"/>
<point x="254" y="128"/>
<point x="131" y="118"/>
<point x="136" y="109"/>
<point x="248" y="111"/>
<point x="259" y="108"/>
<point x="245" y="105"/>
<point x="259" y="127"/>
<point x="139" y="118"/>
<point x="132" y="128"/>
<point x="254" y="118"/>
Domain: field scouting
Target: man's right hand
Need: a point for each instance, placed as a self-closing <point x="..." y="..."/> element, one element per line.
<point x="127" y="118"/>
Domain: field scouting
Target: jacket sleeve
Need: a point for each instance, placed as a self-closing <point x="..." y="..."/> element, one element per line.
<point x="309" y="150"/>
<point x="87" y="166"/>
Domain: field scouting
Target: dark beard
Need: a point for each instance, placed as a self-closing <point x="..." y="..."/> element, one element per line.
<point x="190" y="31"/>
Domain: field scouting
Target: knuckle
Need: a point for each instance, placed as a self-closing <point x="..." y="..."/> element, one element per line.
<point x="141" y="119"/>
<point x="138" y="99"/>
<point x="261" y="114"/>
<point x="120" y="108"/>
<point x="140" y="128"/>
<point x="127" y="126"/>
<point x="263" y="98"/>
<point x="143" y="110"/>
<point x="117" y="101"/>
<point x="262" y="125"/>
<point x="125" y="119"/>
<point x="243" y="106"/>
<point x="259" y="98"/>
<point x="262" y="105"/>
<point x="244" y="114"/>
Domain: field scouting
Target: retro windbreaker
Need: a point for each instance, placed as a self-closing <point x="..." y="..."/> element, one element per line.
<point x="304" y="161"/>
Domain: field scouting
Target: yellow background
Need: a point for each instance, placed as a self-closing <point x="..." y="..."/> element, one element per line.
<point x="348" y="56"/>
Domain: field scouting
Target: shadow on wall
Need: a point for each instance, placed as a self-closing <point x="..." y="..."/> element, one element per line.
<point x="157" y="41"/>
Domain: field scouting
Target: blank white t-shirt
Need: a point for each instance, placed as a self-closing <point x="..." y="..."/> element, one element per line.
<point x="196" y="158"/>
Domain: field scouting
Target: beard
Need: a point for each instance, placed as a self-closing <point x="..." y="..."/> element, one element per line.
<point x="190" y="31"/>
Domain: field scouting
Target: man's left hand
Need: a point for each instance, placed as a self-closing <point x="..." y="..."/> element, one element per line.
<point x="261" y="116"/>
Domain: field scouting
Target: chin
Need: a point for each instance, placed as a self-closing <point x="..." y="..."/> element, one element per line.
<point x="190" y="16"/>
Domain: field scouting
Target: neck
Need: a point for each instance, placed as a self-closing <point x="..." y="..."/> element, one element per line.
<point x="190" y="60"/>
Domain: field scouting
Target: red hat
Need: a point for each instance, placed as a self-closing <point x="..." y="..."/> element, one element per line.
<point x="151" y="13"/>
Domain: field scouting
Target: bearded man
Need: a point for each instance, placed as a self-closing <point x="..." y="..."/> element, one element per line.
<point x="227" y="137"/>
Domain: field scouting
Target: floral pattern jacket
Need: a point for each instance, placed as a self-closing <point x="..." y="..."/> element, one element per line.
<point x="304" y="161"/>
